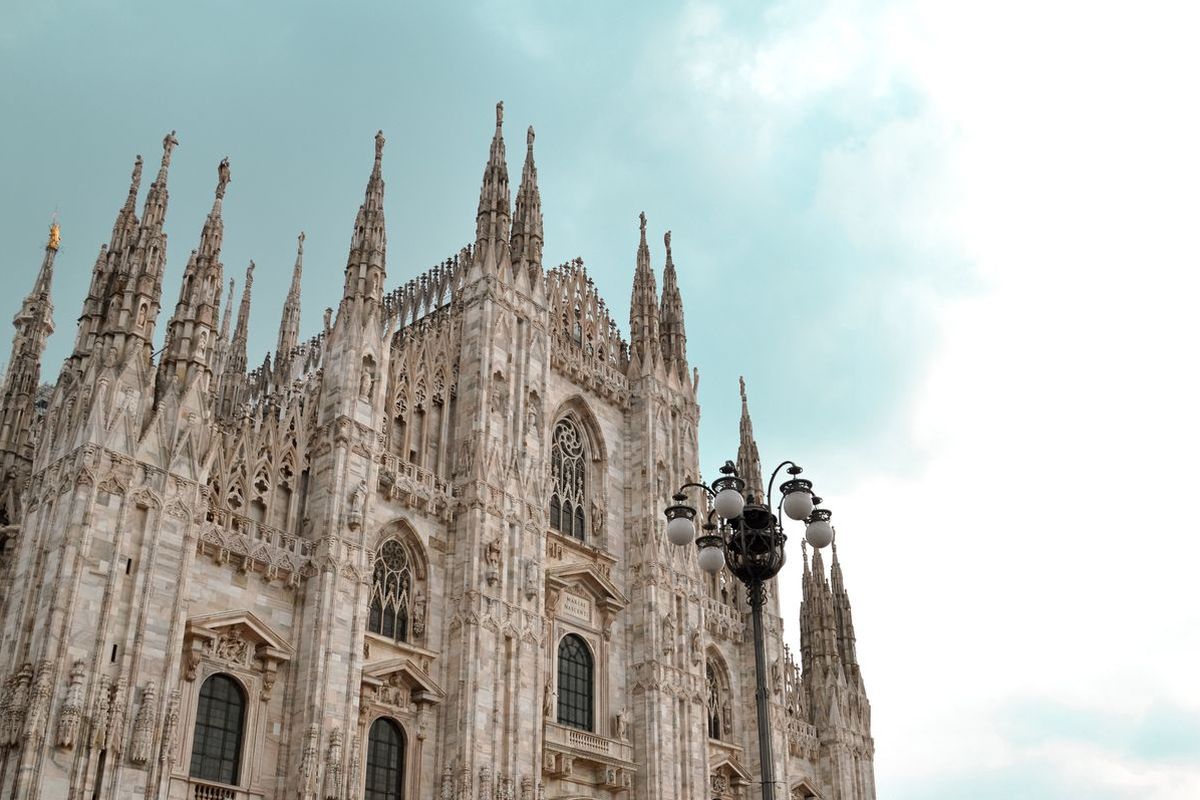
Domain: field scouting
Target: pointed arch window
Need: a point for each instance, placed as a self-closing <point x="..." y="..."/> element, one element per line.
<point x="576" y="683"/>
<point x="385" y="761"/>
<point x="568" y="473"/>
<point x="391" y="591"/>
<point x="217" y="743"/>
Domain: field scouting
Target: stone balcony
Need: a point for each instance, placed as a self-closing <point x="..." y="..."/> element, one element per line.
<point x="583" y="756"/>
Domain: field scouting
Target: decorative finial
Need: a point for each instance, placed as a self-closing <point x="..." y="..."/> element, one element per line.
<point x="499" y="113"/>
<point x="529" y="137"/>
<point x="667" y="242"/>
<point x="642" y="219"/>
<point x="300" y="242"/>
<point x="136" y="178"/>
<point x="742" y="387"/>
<point x="169" y="143"/>
<point x="222" y="177"/>
<point x="250" y="272"/>
<point x="55" y="236"/>
<point x="379" y="141"/>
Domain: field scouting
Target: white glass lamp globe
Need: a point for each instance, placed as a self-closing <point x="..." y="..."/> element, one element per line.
<point x="712" y="560"/>
<point x="798" y="505"/>
<point x="729" y="503"/>
<point x="819" y="533"/>
<point x="681" y="531"/>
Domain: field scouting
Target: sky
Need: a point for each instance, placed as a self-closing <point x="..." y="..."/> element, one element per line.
<point x="949" y="245"/>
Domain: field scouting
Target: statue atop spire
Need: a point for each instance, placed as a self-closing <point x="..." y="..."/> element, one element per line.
<point x="527" y="232"/>
<point x="379" y="143"/>
<point x="222" y="177"/>
<point x="643" y="305"/>
<point x="169" y="144"/>
<point x="493" y="217"/>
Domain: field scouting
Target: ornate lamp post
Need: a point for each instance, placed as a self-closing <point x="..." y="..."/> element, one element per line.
<point x="742" y="531"/>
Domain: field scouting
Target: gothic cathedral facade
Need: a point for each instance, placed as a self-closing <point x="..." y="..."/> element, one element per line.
<point x="418" y="555"/>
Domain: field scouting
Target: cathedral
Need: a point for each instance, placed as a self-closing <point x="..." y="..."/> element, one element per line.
<point x="420" y="554"/>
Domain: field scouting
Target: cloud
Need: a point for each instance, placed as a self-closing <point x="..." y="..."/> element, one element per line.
<point x="1044" y="544"/>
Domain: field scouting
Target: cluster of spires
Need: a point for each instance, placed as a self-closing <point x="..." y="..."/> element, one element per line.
<point x="120" y="312"/>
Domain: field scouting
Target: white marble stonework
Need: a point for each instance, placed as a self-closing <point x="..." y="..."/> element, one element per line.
<point x="390" y="526"/>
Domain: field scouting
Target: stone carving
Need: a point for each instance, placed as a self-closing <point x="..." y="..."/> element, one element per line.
<point x="622" y="724"/>
<point x="531" y="579"/>
<point x="333" y="766"/>
<point x="526" y="788"/>
<point x="447" y="782"/>
<point x="39" y="704"/>
<point x="548" y="701"/>
<point x="71" y="713"/>
<point x="100" y="712"/>
<point x="696" y="648"/>
<point x="166" y="752"/>
<point x="485" y="782"/>
<point x="668" y="633"/>
<point x="114" y="742"/>
<point x="418" y="613"/>
<point x="308" y="762"/>
<point x="355" y="764"/>
<point x="492" y="558"/>
<point x="366" y="382"/>
<point x="143" y="726"/>
<point x="15" y="705"/>
<point x="357" y="500"/>
<point x="231" y="646"/>
<point x="726" y="715"/>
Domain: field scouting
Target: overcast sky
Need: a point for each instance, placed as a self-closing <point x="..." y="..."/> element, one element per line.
<point x="952" y="247"/>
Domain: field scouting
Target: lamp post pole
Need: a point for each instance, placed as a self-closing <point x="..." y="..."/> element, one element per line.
<point x="741" y="532"/>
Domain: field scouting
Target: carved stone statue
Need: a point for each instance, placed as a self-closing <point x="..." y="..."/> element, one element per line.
<point x="623" y="724"/>
<point x="668" y="632"/>
<point x="419" y="612"/>
<point x="548" y="701"/>
<point x="531" y="579"/>
<point x="357" y="500"/>
<point x="492" y="556"/>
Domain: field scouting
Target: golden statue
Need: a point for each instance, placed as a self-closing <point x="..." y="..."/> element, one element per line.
<point x="55" y="237"/>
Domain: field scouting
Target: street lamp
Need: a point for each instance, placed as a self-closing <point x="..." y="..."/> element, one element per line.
<point x="741" y="531"/>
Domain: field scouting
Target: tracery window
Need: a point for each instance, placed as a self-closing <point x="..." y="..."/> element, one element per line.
<point x="568" y="470"/>
<point x="575" y="683"/>
<point x="391" y="592"/>
<point x="217" y="743"/>
<point x="385" y="761"/>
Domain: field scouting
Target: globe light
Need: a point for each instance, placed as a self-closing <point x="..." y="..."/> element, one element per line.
<point x="819" y="532"/>
<point x="729" y="503"/>
<point x="798" y="505"/>
<point x="712" y="559"/>
<point x="681" y="531"/>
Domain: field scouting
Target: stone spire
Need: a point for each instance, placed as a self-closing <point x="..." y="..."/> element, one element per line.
<point x="106" y="270"/>
<point x="842" y="614"/>
<point x="366" y="267"/>
<point x="192" y="331"/>
<point x="237" y="353"/>
<point x="34" y="323"/>
<point x="289" y="323"/>
<point x="526" y="247"/>
<point x="643" y="307"/>
<point x="748" y="463"/>
<point x="672" y="335"/>
<point x="134" y="271"/>
<point x="493" y="217"/>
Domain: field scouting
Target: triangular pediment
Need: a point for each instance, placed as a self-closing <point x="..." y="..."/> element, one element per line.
<point x="587" y="576"/>
<point x="403" y="669"/>
<point x="248" y="623"/>
<point x="733" y="767"/>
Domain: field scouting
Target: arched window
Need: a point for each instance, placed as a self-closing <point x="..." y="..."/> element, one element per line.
<point x="714" y="701"/>
<point x="385" y="761"/>
<point x="391" y="592"/>
<point x="575" y="683"/>
<point x="217" y="743"/>
<point x="568" y="469"/>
